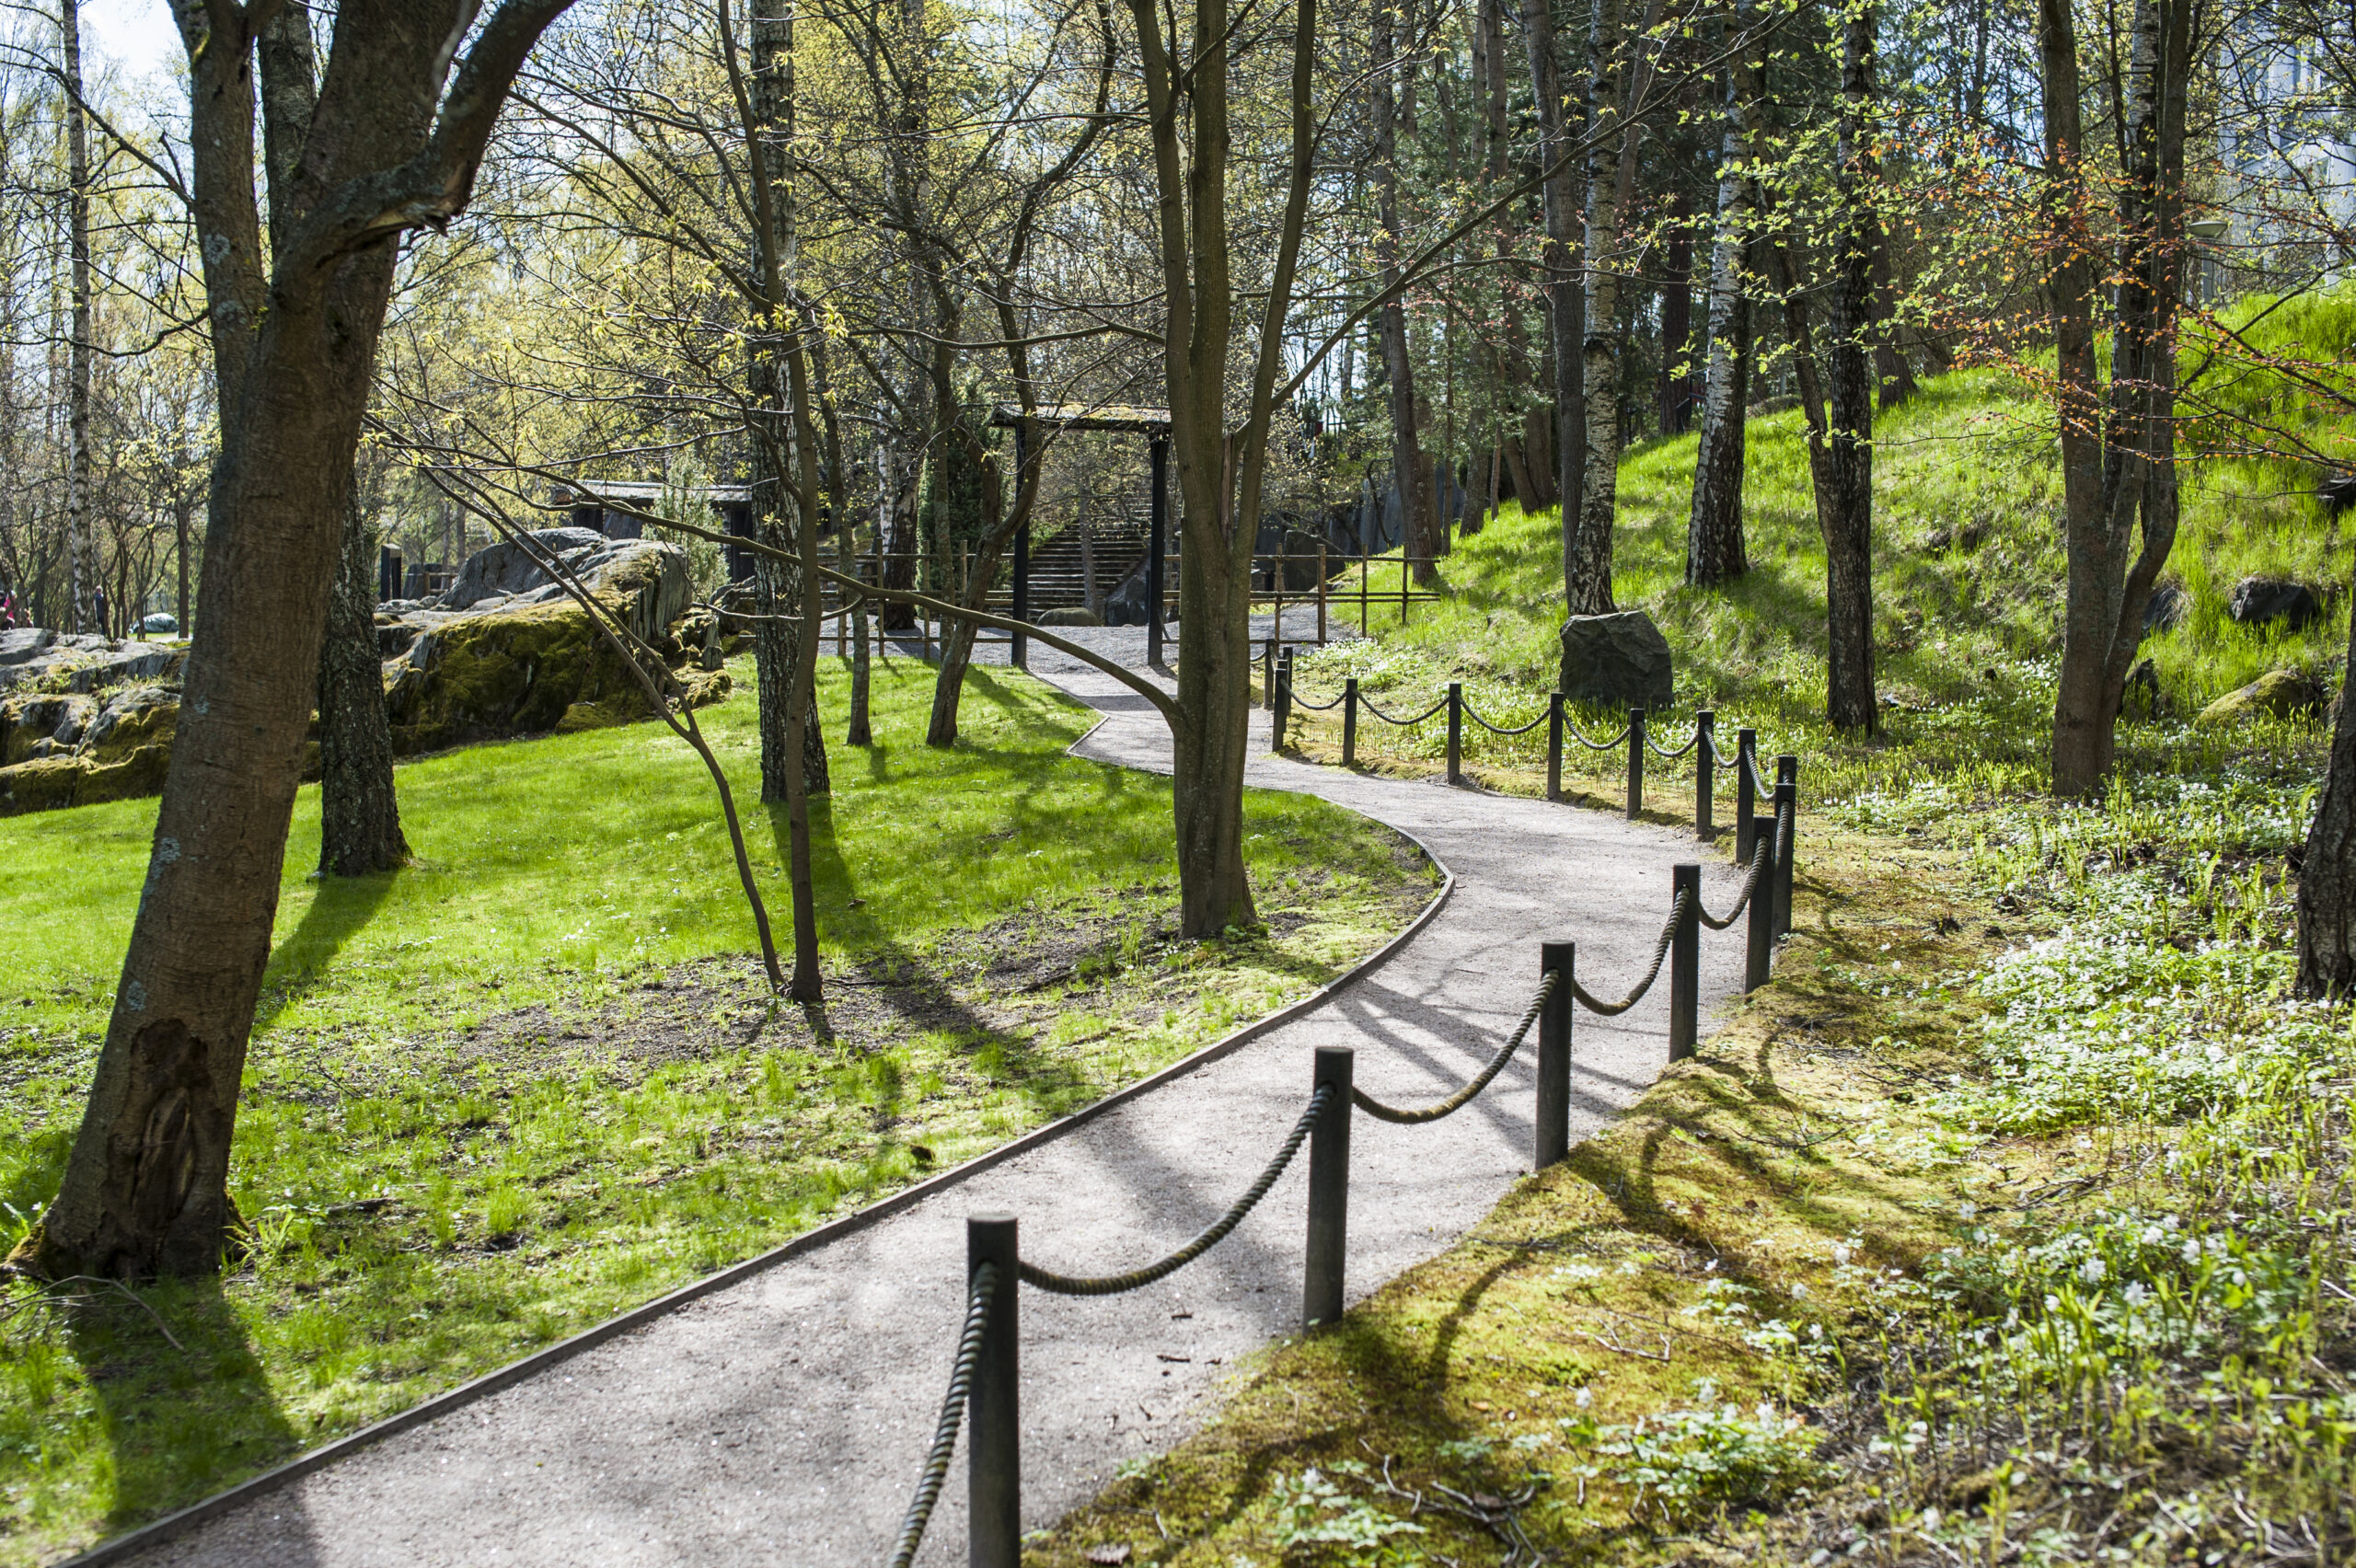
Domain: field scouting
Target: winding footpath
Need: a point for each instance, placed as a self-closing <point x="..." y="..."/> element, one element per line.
<point x="781" y="1419"/>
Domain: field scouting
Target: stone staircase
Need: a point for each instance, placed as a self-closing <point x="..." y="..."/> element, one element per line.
<point x="1058" y="574"/>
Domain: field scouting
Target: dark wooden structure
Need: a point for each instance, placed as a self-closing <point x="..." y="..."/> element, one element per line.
<point x="1151" y="423"/>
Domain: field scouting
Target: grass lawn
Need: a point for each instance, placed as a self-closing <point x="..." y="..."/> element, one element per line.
<point x="534" y="1079"/>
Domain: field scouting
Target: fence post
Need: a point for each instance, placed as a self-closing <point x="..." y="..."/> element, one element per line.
<point x="1328" y="1191"/>
<point x="1284" y="703"/>
<point x="1759" y="950"/>
<point x="1555" y="746"/>
<point x="1320" y="594"/>
<point x="1456" y="731"/>
<point x="1350" y="722"/>
<point x="1746" y="798"/>
<point x="1269" y="677"/>
<point x="1685" y="964"/>
<point x="1787" y="832"/>
<point x="1635" y="762"/>
<point x="1705" y="777"/>
<point x="995" y="1458"/>
<point x="1554" y="1118"/>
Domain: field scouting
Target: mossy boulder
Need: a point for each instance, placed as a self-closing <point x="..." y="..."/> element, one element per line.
<point x="74" y="749"/>
<point x="2276" y="694"/>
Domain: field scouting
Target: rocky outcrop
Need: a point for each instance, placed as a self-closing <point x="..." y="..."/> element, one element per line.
<point x="505" y="652"/>
<point x="1617" y="662"/>
<point x="74" y="749"/>
<point x="2276" y="694"/>
<point x="2263" y="601"/>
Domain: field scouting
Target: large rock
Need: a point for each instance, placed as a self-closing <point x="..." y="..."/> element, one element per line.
<point x="2167" y="609"/>
<point x="78" y="661"/>
<point x="1071" y="615"/>
<point x="2278" y="694"/>
<point x="519" y="656"/>
<point x="1617" y="662"/>
<point x="71" y="749"/>
<point x="2262" y="601"/>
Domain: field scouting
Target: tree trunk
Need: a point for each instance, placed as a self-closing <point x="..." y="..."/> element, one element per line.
<point x="80" y="545"/>
<point x="2119" y="462"/>
<point x="1615" y="89"/>
<point x="856" y="732"/>
<point x="974" y="593"/>
<point x="1714" y="542"/>
<point x="182" y="506"/>
<point x="1676" y="393"/>
<point x="1566" y="304"/>
<point x="2326" y="898"/>
<point x="1846" y="515"/>
<point x="1409" y="473"/>
<point x="360" y="816"/>
<point x="1509" y="354"/>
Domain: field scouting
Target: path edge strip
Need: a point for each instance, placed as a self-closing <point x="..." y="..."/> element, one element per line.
<point x="171" y="1525"/>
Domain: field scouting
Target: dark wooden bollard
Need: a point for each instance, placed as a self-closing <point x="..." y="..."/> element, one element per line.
<point x="993" y="1413"/>
<point x="1554" y="1118"/>
<point x="1635" y="762"/>
<point x="1786" y="830"/>
<point x="1705" y="777"/>
<point x="1329" y="1192"/>
<point x="1555" y="746"/>
<point x="1456" y="731"/>
<point x="1350" y="722"/>
<point x="1283" y="720"/>
<point x="1746" y="795"/>
<point x="1685" y="964"/>
<point x="1759" y="935"/>
<point x="1268" y="678"/>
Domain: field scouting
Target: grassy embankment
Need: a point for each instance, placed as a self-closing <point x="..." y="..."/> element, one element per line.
<point x="534" y="1078"/>
<point x="2012" y="1223"/>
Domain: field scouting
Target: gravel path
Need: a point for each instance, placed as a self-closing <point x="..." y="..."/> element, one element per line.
<point x="781" y="1420"/>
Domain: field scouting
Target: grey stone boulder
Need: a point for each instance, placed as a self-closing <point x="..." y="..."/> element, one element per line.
<point x="1073" y="616"/>
<point x="24" y="644"/>
<point x="2166" y="608"/>
<point x="1617" y="662"/>
<point x="505" y="568"/>
<point x="2262" y="601"/>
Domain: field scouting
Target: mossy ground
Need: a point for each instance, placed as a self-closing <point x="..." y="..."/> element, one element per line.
<point x="534" y="1079"/>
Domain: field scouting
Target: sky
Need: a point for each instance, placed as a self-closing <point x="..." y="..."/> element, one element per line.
<point x="136" y="36"/>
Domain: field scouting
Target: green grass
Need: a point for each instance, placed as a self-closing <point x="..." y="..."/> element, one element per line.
<point x="1967" y="638"/>
<point x="533" y="1080"/>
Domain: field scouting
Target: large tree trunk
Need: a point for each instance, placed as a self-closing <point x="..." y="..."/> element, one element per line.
<point x="146" y="1186"/>
<point x="1714" y="541"/>
<point x="2326" y="898"/>
<point x="1566" y="301"/>
<point x="1675" y="392"/>
<point x="974" y="593"/>
<point x="1524" y="452"/>
<point x="1616" y="87"/>
<point x="2117" y="462"/>
<point x="360" y="816"/>
<point x="1846" y="514"/>
<point x="80" y="545"/>
<point x="1409" y="473"/>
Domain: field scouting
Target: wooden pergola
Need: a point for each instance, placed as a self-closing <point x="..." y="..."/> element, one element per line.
<point x="1151" y="423"/>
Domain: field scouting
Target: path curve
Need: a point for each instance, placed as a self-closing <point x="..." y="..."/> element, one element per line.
<point x="781" y="1420"/>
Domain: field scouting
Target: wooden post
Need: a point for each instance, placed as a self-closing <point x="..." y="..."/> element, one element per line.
<point x="1328" y="1191"/>
<point x="993" y="1412"/>
<point x="1554" y="1110"/>
<point x="1320" y="594"/>
<point x="1705" y="738"/>
<point x="1635" y="762"/>
<point x="1402" y="584"/>
<point x="1684" y="964"/>
<point x="1555" y="746"/>
<point x="1456" y="731"/>
<point x="1350" y="722"/>
<point x="1154" y="560"/>
<point x="1746" y="795"/>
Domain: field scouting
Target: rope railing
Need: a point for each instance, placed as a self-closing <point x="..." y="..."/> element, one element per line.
<point x="1667" y="756"/>
<point x="979" y="1290"/>
<point x="1480" y="1080"/>
<point x="1474" y="714"/>
<point x="983" y="1384"/>
<point x="1368" y="703"/>
<point x="1587" y="998"/>
<point x="1749" y="886"/>
<point x="1575" y="734"/>
<point x="1204" y="1239"/>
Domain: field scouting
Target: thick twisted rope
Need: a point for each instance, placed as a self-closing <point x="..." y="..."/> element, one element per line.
<point x="1368" y="703"/>
<point x="1749" y="886"/>
<point x="1300" y="701"/>
<point x="1499" y="730"/>
<point x="1672" y="755"/>
<point x="1668" y="935"/>
<point x="1573" y="730"/>
<point x="953" y="1413"/>
<point x="1434" y="1112"/>
<point x="1113" y="1284"/>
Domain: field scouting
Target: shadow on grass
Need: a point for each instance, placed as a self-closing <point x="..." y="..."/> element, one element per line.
<point x="182" y="1422"/>
<point x="341" y="908"/>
